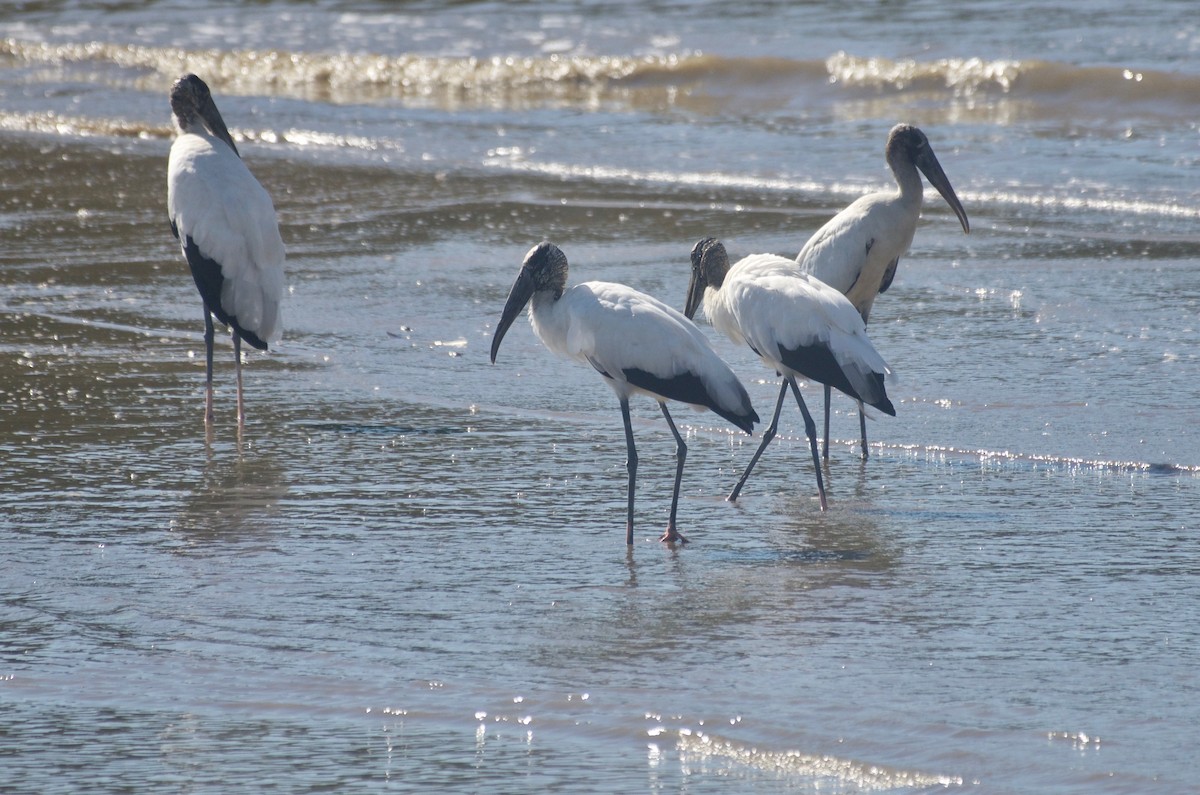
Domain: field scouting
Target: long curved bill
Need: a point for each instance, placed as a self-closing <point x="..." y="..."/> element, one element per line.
<point x="695" y="294"/>
<point x="212" y="117"/>
<point x="518" y="297"/>
<point x="932" y="169"/>
<point x="696" y="285"/>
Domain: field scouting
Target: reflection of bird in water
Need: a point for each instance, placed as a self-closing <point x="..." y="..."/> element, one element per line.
<point x="851" y="539"/>
<point x="232" y="499"/>
<point x="227" y="229"/>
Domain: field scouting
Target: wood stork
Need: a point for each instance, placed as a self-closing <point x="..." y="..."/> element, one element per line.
<point x="858" y="250"/>
<point x="226" y="226"/>
<point x="639" y="344"/>
<point x="798" y="326"/>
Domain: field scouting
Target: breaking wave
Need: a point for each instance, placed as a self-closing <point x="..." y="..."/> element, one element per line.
<point x="352" y="77"/>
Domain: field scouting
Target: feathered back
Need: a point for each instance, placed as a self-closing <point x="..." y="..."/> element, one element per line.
<point x="214" y="200"/>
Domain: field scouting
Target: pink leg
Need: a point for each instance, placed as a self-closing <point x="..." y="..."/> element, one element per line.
<point x="672" y="535"/>
<point x="237" y="358"/>
<point x="208" y="369"/>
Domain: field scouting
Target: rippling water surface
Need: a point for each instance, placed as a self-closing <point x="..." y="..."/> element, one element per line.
<point x="409" y="574"/>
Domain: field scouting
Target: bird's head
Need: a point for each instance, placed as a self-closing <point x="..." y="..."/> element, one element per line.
<point x="544" y="270"/>
<point x="907" y="143"/>
<point x="191" y="101"/>
<point x="710" y="263"/>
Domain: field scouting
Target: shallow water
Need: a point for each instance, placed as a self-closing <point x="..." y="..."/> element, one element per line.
<point x="409" y="573"/>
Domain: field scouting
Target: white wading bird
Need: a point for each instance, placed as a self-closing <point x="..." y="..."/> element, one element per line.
<point x="858" y="250"/>
<point x="639" y="344"/>
<point x="227" y="228"/>
<point x="798" y="326"/>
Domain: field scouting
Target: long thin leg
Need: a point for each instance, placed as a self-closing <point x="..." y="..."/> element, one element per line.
<point x="767" y="436"/>
<point x="208" y="368"/>
<point x="631" y="462"/>
<point x="237" y="358"/>
<point x="810" y="428"/>
<point x="825" y="449"/>
<point x="862" y="427"/>
<point x="672" y="535"/>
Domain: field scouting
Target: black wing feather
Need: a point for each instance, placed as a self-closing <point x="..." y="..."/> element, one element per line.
<point x="816" y="362"/>
<point x="688" y="388"/>
<point x="889" y="274"/>
<point x="207" y="274"/>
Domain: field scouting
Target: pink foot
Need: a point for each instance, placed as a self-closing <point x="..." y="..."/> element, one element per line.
<point x="672" y="536"/>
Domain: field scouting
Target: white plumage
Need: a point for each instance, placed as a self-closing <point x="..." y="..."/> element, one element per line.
<point x="617" y="329"/>
<point x="213" y="199"/>
<point x="798" y="325"/>
<point x="766" y="304"/>
<point x="226" y="226"/>
<point x="636" y="342"/>
<point x="858" y="250"/>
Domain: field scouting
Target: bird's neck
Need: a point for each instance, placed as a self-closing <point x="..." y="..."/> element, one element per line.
<point x="551" y="322"/>
<point x="542" y="301"/>
<point x="908" y="179"/>
<point x="187" y="124"/>
<point x="717" y="310"/>
<point x="194" y="125"/>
